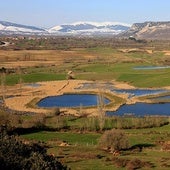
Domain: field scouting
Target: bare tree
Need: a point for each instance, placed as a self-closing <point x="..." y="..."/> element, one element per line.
<point x="114" y="140"/>
<point x="20" y="81"/>
<point x="3" y="88"/>
<point x="101" y="105"/>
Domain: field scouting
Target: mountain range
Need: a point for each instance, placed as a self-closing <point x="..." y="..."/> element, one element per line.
<point x="146" y="30"/>
<point x="79" y="28"/>
<point x="90" y="28"/>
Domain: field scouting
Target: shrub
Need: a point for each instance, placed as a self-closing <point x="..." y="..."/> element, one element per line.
<point x="120" y="162"/>
<point x="16" y="155"/>
<point x="132" y="164"/>
<point x="114" y="140"/>
<point x="56" y="111"/>
<point x="138" y="164"/>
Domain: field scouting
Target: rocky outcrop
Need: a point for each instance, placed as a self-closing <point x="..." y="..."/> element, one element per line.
<point x="149" y="30"/>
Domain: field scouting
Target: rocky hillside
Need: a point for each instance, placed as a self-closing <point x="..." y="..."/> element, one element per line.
<point x="149" y="30"/>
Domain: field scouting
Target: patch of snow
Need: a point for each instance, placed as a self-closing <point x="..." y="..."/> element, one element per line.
<point x="98" y="24"/>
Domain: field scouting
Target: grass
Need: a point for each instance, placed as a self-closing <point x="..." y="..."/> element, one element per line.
<point x="146" y="79"/>
<point x="71" y="138"/>
<point x="95" y="164"/>
<point x="149" y="135"/>
<point x="125" y="73"/>
<point x="33" y="78"/>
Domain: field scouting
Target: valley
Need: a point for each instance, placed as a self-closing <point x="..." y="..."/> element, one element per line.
<point x="123" y="71"/>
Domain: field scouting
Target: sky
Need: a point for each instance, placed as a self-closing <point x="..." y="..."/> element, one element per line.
<point x="49" y="13"/>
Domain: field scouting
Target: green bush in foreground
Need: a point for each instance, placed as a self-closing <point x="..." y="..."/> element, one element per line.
<point x="16" y="155"/>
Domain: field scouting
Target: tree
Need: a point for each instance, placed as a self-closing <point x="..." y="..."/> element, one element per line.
<point x="20" y="81"/>
<point x="101" y="112"/>
<point x="3" y="79"/>
<point x="114" y="140"/>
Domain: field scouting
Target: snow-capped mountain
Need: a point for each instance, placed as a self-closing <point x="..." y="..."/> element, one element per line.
<point x="9" y="28"/>
<point x="90" y="28"/>
<point x="78" y="28"/>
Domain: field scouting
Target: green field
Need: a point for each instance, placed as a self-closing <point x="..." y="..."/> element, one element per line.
<point x="119" y="72"/>
<point x="33" y="78"/>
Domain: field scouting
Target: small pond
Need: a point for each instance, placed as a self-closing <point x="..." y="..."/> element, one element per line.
<point x="33" y="85"/>
<point x="163" y="97"/>
<point x="131" y="92"/>
<point x="71" y="100"/>
<point x="142" y="109"/>
<point x="140" y="92"/>
<point x="108" y="86"/>
<point x="150" y="67"/>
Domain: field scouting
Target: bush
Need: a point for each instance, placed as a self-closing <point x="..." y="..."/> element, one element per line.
<point x="16" y="155"/>
<point x="132" y="164"/>
<point x="138" y="164"/>
<point x="114" y="140"/>
<point x="120" y="162"/>
<point x="56" y="111"/>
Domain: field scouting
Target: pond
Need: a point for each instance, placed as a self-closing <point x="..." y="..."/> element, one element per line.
<point x="131" y="92"/>
<point x="94" y="85"/>
<point x="163" y="97"/>
<point x="142" y="109"/>
<point x="33" y="85"/>
<point x="140" y="92"/>
<point x="150" y="67"/>
<point x="71" y="100"/>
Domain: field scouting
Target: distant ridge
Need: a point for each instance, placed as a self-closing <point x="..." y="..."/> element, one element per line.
<point x="90" y="28"/>
<point x="9" y="28"/>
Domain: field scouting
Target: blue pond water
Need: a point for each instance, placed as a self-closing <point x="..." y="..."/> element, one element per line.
<point x="33" y="85"/>
<point x="150" y="67"/>
<point x="70" y="100"/>
<point x="131" y="92"/>
<point x="163" y="97"/>
<point x="140" y="92"/>
<point x="108" y="86"/>
<point x="142" y="109"/>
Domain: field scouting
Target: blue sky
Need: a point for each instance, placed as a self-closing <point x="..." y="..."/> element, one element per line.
<point x="48" y="13"/>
